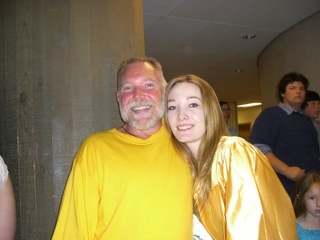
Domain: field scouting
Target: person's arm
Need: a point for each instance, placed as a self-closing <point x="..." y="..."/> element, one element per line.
<point x="262" y="136"/>
<point x="293" y="173"/>
<point x="7" y="212"/>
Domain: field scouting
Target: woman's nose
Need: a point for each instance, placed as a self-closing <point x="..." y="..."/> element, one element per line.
<point x="182" y="115"/>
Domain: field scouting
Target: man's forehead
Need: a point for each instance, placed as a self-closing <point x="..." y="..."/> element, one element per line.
<point x="143" y="64"/>
<point x="295" y="83"/>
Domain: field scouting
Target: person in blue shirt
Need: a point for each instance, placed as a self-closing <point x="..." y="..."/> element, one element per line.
<point x="286" y="135"/>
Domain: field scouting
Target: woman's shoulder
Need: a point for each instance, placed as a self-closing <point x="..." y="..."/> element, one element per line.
<point x="231" y="140"/>
<point x="233" y="145"/>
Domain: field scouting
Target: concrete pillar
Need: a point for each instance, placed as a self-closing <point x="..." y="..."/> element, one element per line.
<point x="58" y="62"/>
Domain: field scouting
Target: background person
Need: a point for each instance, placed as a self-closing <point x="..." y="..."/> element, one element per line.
<point x="311" y="107"/>
<point x="129" y="182"/>
<point x="232" y="178"/>
<point x="286" y="135"/>
<point x="226" y="112"/>
<point x="7" y="205"/>
<point x="306" y="202"/>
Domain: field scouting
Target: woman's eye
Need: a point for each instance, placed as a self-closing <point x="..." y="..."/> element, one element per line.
<point x="171" y="107"/>
<point x="193" y="105"/>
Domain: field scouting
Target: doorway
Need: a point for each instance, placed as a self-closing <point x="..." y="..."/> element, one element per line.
<point x="244" y="130"/>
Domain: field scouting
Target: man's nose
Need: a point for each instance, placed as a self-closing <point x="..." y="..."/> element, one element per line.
<point x="138" y="93"/>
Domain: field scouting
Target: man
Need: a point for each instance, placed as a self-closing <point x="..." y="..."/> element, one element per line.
<point x="226" y="111"/>
<point x="285" y="135"/>
<point x="311" y="108"/>
<point x="129" y="183"/>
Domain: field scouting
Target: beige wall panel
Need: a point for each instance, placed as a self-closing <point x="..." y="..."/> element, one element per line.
<point x="297" y="49"/>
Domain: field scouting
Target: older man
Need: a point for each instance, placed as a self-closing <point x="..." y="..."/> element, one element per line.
<point x="128" y="182"/>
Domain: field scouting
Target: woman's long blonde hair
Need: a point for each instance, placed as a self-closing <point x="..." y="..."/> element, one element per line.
<point x="215" y="129"/>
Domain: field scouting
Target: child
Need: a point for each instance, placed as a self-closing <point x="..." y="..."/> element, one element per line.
<point x="306" y="203"/>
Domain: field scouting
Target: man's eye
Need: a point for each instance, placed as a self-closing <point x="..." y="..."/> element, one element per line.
<point x="150" y="85"/>
<point x="126" y="88"/>
<point x="171" y="107"/>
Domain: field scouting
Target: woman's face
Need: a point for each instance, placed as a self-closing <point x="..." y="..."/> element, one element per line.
<point x="186" y="115"/>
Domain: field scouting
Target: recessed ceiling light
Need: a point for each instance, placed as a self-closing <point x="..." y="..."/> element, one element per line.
<point x="239" y="70"/>
<point x="249" y="36"/>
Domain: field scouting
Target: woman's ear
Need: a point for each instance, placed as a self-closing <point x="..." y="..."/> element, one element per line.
<point x="297" y="196"/>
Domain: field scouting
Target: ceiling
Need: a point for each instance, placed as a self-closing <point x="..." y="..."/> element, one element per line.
<point x="204" y="37"/>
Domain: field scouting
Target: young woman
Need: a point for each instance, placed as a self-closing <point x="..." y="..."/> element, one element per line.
<point x="236" y="192"/>
<point x="306" y="203"/>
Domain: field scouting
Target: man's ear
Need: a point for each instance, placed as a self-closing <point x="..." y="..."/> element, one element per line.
<point x="281" y="93"/>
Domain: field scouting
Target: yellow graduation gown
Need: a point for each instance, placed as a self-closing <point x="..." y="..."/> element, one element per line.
<point x="247" y="199"/>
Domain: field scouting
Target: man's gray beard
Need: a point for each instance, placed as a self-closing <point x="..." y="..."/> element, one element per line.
<point x="133" y="122"/>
